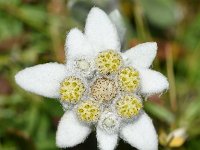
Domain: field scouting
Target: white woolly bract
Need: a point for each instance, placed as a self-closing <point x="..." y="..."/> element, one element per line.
<point x="140" y="134"/>
<point x="106" y="141"/>
<point x="152" y="82"/>
<point x="70" y="131"/>
<point x="42" y="79"/>
<point x="77" y="44"/>
<point x="100" y="31"/>
<point x="142" y="55"/>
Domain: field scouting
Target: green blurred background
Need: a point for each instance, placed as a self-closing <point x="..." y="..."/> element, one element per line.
<point x="34" y="31"/>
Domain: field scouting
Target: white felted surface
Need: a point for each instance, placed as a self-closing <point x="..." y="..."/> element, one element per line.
<point x="42" y="79"/>
<point x="100" y="31"/>
<point x="70" y="132"/>
<point x="77" y="44"/>
<point x="106" y="141"/>
<point x="152" y="82"/>
<point x="141" y="134"/>
<point x="142" y="55"/>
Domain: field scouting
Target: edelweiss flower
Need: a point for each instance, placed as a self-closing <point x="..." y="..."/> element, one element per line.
<point x="100" y="87"/>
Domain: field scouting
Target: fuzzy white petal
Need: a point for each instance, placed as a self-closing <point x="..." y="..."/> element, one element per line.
<point x="77" y="44"/>
<point x="152" y="82"/>
<point x="42" y="79"/>
<point x="141" y="134"/>
<point x="70" y="131"/>
<point x="106" y="141"/>
<point x="142" y="55"/>
<point x="100" y="31"/>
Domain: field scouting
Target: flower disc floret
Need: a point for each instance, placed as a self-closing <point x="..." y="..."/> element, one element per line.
<point x="71" y="90"/>
<point x="128" y="106"/>
<point x="104" y="89"/>
<point x="108" y="62"/>
<point x="109" y="122"/>
<point x="88" y="111"/>
<point x="128" y="79"/>
<point x="83" y="64"/>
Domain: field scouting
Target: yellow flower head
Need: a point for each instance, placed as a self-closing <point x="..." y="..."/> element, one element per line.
<point x="71" y="90"/>
<point x="128" y="106"/>
<point x="108" y="62"/>
<point x="128" y="79"/>
<point x="88" y="111"/>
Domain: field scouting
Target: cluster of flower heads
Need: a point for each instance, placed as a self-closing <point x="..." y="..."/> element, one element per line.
<point x="100" y="87"/>
<point x="111" y="87"/>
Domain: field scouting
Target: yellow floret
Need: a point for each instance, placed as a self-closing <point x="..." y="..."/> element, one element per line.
<point x="71" y="90"/>
<point x="108" y="62"/>
<point x="128" y="106"/>
<point x="88" y="111"/>
<point x="128" y="79"/>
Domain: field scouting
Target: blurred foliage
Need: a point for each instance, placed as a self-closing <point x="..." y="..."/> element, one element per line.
<point x="33" y="32"/>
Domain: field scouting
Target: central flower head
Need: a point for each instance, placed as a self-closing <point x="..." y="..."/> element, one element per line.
<point x="104" y="89"/>
<point x="110" y="89"/>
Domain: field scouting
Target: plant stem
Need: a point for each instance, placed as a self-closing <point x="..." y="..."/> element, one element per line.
<point x="171" y="78"/>
<point x="141" y="27"/>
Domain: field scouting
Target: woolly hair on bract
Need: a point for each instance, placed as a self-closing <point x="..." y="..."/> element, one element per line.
<point x="100" y="87"/>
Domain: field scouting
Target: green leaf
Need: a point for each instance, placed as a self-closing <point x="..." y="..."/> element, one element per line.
<point x="9" y="27"/>
<point x="34" y="15"/>
<point x="191" y="113"/>
<point x="32" y="119"/>
<point x="160" y="112"/>
<point x="191" y="34"/>
<point x="43" y="127"/>
<point x="161" y="13"/>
